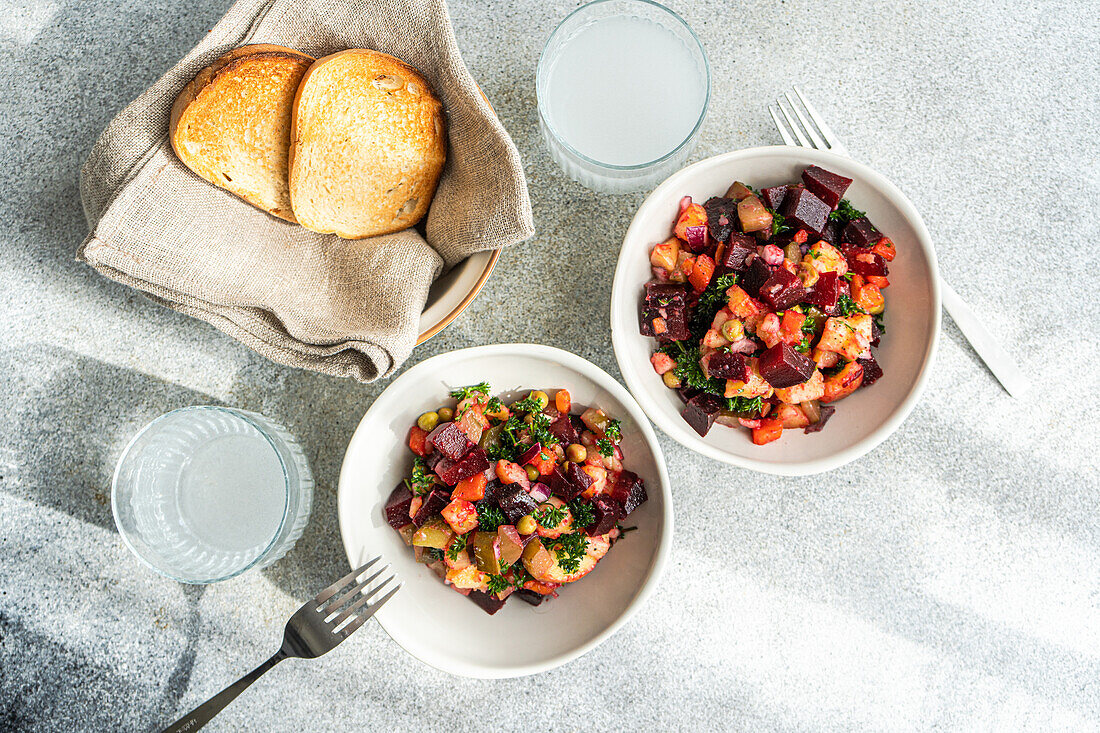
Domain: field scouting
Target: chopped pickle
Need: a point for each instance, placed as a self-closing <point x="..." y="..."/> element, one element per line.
<point x="487" y="552"/>
<point x="434" y="533"/>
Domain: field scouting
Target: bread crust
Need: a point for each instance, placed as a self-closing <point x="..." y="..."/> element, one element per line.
<point x="368" y="145"/>
<point x="235" y="114"/>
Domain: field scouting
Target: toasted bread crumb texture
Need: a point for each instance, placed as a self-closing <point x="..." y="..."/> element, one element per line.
<point x="369" y="145"/>
<point x="232" y="126"/>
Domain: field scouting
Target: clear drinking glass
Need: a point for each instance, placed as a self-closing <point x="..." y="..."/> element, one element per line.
<point x="623" y="87"/>
<point x="202" y="494"/>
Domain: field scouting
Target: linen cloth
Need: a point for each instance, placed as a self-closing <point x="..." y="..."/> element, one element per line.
<point x="341" y="307"/>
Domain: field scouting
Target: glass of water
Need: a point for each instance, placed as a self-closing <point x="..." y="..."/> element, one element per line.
<point x="623" y="88"/>
<point x="203" y="494"/>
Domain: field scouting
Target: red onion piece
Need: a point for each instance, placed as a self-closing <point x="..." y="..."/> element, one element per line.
<point x="540" y="492"/>
<point x="697" y="236"/>
<point x="743" y="346"/>
<point x="684" y="203"/>
<point x="755" y="423"/>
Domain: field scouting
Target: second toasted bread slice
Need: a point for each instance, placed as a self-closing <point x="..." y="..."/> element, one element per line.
<point x="231" y="124"/>
<point x="367" y="146"/>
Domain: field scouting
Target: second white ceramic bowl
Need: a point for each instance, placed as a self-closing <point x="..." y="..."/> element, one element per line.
<point x="912" y="318"/>
<point x="433" y="622"/>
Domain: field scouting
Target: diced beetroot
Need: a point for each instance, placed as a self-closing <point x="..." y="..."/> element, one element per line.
<point x="728" y="366"/>
<point x="721" y="215"/>
<point x="397" y="506"/>
<point x="826" y="412"/>
<point x="676" y="325"/>
<point x="434" y="501"/>
<point x="629" y="491"/>
<point x="865" y="262"/>
<point x="700" y="411"/>
<point x="773" y="197"/>
<point x="757" y="274"/>
<point x="515" y="502"/>
<point x="737" y="250"/>
<point x="803" y="210"/>
<point x="876" y="332"/>
<point x="825" y="291"/>
<point x="493" y="489"/>
<point x="645" y="319"/>
<point x="871" y="370"/>
<point x="561" y="486"/>
<point x="686" y="393"/>
<point x="535" y="599"/>
<point x="784" y="367"/>
<point x="782" y="290"/>
<point x="826" y="185"/>
<point x="861" y="232"/>
<point x="606" y="513"/>
<point x="528" y="455"/>
<point x="659" y="294"/>
<point x="563" y="430"/>
<point x="451" y="472"/>
<point x="450" y="440"/>
<point x="831" y="233"/>
<point x="488" y="602"/>
<point x="578" y="477"/>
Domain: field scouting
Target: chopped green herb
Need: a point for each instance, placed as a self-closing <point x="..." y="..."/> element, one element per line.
<point x="846" y="306"/>
<point x="421" y="481"/>
<point x="551" y="516"/>
<point x="745" y="406"/>
<point x="489" y="517"/>
<point x="494" y="406"/>
<point x="845" y="212"/>
<point x="880" y="322"/>
<point x="710" y="302"/>
<point x="433" y="553"/>
<point x="687" y="368"/>
<point x="847" y="276"/>
<point x="458" y="545"/>
<point x="570" y="550"/>
<point x="779" y="223"/>
<point x="463" y="392"/>
<point x="527" y="404"/>
<point x="497" y="584"/>
<point x="582" y="513"/>
<point x="605" y="447"/>
<point x="613" y="430"/>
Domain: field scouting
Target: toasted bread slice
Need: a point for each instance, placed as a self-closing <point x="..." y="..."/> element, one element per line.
<point x="367" y="147"/>
<point x="231" y="123"/>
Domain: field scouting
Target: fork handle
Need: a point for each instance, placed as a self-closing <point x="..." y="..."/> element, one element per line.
<point x="204" y="713"/>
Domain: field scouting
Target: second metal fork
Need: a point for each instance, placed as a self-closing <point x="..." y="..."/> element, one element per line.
<point x="315" y="628"/>
<point x="809" y="130"/>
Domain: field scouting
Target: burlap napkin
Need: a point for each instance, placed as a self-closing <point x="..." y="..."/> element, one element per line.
<point x="346" y="308"/>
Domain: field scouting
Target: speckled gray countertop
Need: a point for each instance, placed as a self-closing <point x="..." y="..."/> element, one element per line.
<point x="948" y="580"/>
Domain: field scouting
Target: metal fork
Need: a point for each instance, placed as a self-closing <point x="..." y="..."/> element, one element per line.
<point x="316" y="628"/>
<point x="797" y="130"/>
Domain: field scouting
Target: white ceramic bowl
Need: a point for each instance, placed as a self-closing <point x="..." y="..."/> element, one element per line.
<point x="454" y="291"/>
<point x="436" y="624"/>
<point x="912" y="318"/>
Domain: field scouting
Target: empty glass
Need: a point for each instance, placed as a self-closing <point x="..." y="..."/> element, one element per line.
<point x="623" y="88"/>
<point x="202" y="494"/>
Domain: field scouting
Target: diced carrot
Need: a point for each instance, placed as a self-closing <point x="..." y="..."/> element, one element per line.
<point x="701" y="273"/>
<point x="471" y="489"/>
<point x="417" y="441"/>
<point x="510" y="473"/>
<point x="855" y="283"/>
<point x="885" y="247"/>
<point x="879" y="281"/>
<point x="790" y="329"/>
<point x="544" y="589"/>
<point x="693" y="215"/>
<point x="659" y="326"/>
<point x="768" y="431"/>
<point x="563" y="401"/>
<point x="687" y="266"/>
<point x="544" y="462"/>
<point x="414" y="506"/>
<point x="801" y="236"/>
<point x="869" y="298"/>
<point x="461" y="515"/>
<point x="844" y="382"/>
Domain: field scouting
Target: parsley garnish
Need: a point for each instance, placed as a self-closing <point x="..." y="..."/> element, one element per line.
<point x="845" y="212"/>
<point x="688" y="370"/>
<point x="457" y="545"/>
<point x="582" y="513"/>
<point x="497" y="583"/>
<point x="779" y="223"/>
<point x="846" y="306"/>
<point x="880" y="322"/>
<point x="570" y="550"/>
<point x="489" y="517"/>
<point x="847" y="276"/>
<point x="463" y="392"/>
<point x="745" y="406"/>
<point x="710" y="302"/>
<point x="433" y="553"/>
<point x="605" y="447"/>
<point x="551" y="516"/>
<point x="422" y="481"/>
<point x="494" y="406"/>
<point x="613" y="430"/>
<point x="527" y="404"/>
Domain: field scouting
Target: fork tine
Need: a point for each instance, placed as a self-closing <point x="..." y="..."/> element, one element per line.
<point x="339" y="603"/>
<point x="332" y="589"/>
<point x="787" y="139"/>
<point x="826" y="132"/>
<point x="362" y="619"/>
<point x="818" y="142"/>
<point x="793" y="125"/>
<point x="360" y="603"/>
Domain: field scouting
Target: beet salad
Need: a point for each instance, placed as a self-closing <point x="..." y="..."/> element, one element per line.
<point x="766" y="305"/>
<point x="513" y="499"/>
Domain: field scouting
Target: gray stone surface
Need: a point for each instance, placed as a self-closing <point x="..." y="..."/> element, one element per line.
<point x="948" y="580"/>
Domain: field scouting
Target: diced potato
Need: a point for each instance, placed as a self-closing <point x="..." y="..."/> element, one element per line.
<point x="848" y="336"/>
<point x="811" y="389"/>
<point x="824" y="257"/>
<point x="666" y="254"/>
<point x="842" y="384"/>
<point x="757" y="386"/>
<point x="469" y="578"/>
